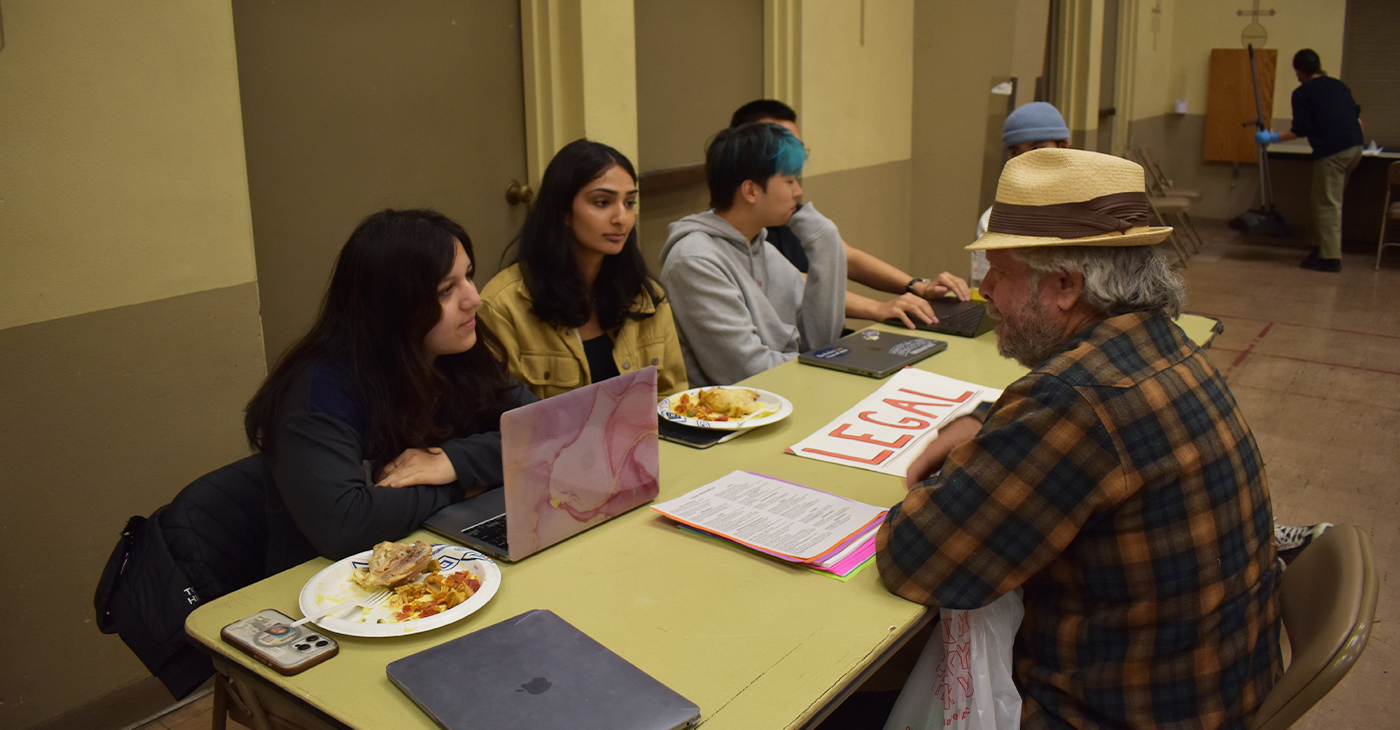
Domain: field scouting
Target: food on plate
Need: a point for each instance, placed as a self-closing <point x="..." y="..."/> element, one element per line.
<point x="420" y="587"/>
<point x="718" y="404"/>
<point x="432" y="595"/>
<point x="394" y="564"/>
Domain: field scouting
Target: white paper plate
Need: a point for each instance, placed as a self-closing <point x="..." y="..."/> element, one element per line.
<point x="332" y="587"/>
<point x="770" y="400"/>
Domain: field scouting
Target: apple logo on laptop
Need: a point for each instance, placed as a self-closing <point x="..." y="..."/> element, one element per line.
<point x="538" y="685"/>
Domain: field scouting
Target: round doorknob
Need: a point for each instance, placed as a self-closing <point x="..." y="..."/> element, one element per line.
<point x="519" y="194"/>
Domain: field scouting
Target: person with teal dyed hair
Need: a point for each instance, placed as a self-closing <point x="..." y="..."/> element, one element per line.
<point x="739" y="305"/>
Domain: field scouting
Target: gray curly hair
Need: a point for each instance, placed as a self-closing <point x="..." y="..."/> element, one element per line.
<point x="1117" y="279"/>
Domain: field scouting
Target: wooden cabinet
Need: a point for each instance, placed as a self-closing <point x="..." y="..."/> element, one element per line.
<point x="1230" y="103"/>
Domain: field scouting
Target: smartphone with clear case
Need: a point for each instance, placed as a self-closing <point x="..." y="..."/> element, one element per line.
<point x="269" y="637"/>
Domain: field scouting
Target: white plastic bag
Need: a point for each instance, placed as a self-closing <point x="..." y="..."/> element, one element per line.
<point x="963" y="680"/>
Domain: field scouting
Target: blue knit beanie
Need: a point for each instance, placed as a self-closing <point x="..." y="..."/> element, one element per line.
<point x="1037" y="121"/>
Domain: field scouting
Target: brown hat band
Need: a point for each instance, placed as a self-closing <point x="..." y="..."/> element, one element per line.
<point x="1114" y="213"/>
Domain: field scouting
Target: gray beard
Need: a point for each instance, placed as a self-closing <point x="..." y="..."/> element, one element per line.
<point x="1027" y="335"/>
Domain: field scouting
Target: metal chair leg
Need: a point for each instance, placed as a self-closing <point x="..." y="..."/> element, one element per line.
<point x="1197" y="242"/>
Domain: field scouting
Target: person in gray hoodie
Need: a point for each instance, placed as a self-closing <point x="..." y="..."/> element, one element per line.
<point x="739" y="305"/>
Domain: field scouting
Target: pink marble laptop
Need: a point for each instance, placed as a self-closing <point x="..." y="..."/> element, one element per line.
<point x="578" y="459"/>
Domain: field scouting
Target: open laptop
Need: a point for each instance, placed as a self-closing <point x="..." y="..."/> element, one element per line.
<point x="873" y="353"/>
<point x="537" y="672"/>
<point x="955" y="317"/>
<point x="570" y="462"/>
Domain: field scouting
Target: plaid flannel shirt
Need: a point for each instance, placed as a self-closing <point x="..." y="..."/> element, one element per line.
<point x="1118" y="484"/>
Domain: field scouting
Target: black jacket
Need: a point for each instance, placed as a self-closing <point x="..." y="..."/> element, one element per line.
<point x="210" y="540"/>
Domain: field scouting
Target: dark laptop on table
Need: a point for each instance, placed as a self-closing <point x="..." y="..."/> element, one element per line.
<point x="955" y="317"/>
<point x="873" y="353"/>
<point x="570" y="462"/>
<point x="535" y="671"/>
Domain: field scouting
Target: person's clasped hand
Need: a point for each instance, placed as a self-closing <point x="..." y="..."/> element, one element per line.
<point x="415" y="467"/>
<point x="931" y="459"/>
<point x="1264" y="136"/>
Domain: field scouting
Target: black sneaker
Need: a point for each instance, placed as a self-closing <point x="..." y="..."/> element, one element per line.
<point x="1291" y="539"/>
<point x="1317" y="263"/>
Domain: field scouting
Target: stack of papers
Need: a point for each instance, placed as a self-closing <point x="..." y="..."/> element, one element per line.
<point x="820" y="531"/>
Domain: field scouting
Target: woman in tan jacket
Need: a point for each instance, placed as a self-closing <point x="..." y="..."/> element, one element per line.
<point x="577" y="304"/>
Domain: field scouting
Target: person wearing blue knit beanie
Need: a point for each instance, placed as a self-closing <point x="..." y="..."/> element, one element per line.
<point x="1032" y="126"/>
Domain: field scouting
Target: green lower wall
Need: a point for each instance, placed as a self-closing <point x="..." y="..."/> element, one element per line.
<point x="107" y="415"/>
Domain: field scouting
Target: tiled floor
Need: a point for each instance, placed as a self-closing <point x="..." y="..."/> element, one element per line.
<point x="1314" y="361"/>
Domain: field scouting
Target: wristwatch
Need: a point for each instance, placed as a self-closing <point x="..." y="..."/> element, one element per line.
<point x="910" y="286"/>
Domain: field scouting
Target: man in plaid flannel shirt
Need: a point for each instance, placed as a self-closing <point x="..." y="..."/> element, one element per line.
<point x="1116" y="483"/>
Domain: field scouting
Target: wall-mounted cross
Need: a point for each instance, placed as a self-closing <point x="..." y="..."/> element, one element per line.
<point x="1255" y="13"/>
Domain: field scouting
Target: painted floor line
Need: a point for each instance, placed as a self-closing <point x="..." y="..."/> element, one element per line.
<point x="1247" y="351"/>
<point x="1297" y="324"/>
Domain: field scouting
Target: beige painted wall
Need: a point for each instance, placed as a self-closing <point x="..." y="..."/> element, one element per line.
<point x="897" y="128"/>
<point x="856" y="96"/>
<point x="1200" y="25"/>
<point x="1178" y="65"/>
<point x="871" y="205"/>
<point x="1178" y="68"/>
<point x="610" y="74"/>
<point x="579" y="64"/>
<point x="352" y="107"/>
<point x="128" y="310"/>
<point x="1156" y="83"/>
<point x="1028" y="47"/>
<point x="149" y="203"/>
<point x="687" y="91"/>
<point x="959" y="48"/>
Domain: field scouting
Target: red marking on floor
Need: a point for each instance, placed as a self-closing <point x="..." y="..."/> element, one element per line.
<point x="1247" y="350"/>
<point x="1297" y="324"/>
<point x="1243" y="354"/>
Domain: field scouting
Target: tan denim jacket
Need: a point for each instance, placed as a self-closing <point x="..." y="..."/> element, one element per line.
<point x="549" y="358"/>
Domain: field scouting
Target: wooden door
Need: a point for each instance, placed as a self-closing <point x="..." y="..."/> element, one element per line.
<point x="351" y="106"/>
<point x="1230" y="103"/>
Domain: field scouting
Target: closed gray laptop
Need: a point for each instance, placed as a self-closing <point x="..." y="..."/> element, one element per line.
<point x="536" y="672"/>
<point x="873" y="353"/>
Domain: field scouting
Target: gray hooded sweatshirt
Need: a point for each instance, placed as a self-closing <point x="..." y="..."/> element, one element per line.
<point x="740" y="307"/>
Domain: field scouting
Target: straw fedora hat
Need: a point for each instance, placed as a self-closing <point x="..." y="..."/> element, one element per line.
<point x="1060" y="197"/>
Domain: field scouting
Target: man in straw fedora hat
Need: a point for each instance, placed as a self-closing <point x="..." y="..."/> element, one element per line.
<point x="1117" y="482"/>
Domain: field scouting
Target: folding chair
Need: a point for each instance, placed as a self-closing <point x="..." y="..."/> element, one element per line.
<point x="1391" y="210"/>
<point x="1173" y="200"/>
<point x="1160" y="179"/>
<point x="1328" y="598"/>
<point x="1161" y="208"/>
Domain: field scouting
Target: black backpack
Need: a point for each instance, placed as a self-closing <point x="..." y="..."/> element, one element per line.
<point x="210" y="540"/>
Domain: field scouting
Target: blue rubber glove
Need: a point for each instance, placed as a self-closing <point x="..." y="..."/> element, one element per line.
<point x="1264" y="136"/>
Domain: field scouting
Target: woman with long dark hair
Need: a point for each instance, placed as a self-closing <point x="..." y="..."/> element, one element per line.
<point x="578" y="305"/>
<point x="389" y="408"/>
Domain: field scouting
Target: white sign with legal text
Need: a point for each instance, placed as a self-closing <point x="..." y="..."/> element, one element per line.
<point x="887" y="429"/>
